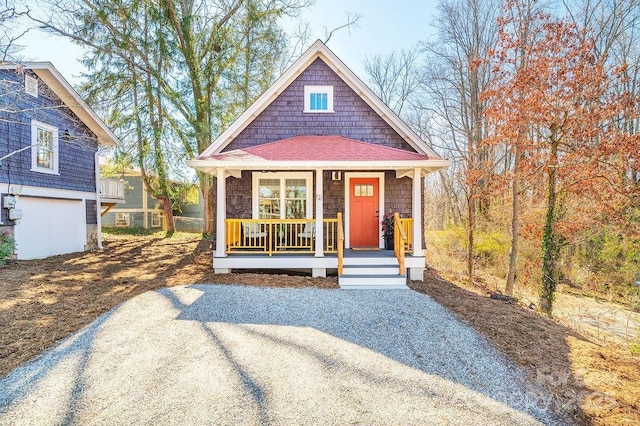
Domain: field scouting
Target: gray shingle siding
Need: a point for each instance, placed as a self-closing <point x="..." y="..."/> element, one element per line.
<point x="92" y="213"/>
<point x="352" y="117"/>
<point x="75" y="152"/>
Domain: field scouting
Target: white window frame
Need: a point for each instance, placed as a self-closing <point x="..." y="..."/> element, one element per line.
<point x="308" y="90"/>
<point x="156" y="220"/>
<point x="127" y="221"/>
<point x="283" y="176"/>
<point x="35" y="125"/>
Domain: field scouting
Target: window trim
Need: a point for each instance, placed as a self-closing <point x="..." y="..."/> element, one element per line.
<point x="157" y="216"/>
<point x="308" y="90"/>
<point x="35" y="125"/>
<point x="282" y="176"/>
<point x="126" y="215"/>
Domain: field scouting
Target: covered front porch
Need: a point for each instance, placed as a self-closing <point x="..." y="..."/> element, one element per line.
<point x="299" y="204"/>
<point x="319" y="241"/>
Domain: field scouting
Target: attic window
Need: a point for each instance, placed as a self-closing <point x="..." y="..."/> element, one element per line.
<point x="318" y="98"/>
<point x="31" y="86"/>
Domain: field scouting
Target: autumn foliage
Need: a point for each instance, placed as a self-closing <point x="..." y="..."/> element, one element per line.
<point x="555" y="105"/>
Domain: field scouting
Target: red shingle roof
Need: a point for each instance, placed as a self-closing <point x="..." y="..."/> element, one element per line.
<point x="318" y="148"/>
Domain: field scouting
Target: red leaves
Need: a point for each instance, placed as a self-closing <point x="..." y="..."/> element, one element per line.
<point x="552" y="97"/>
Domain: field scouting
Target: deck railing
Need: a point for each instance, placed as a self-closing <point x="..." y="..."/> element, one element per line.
<point x="111" y="188"/>
<point x="269" y="236"/>
<point x="407" y="226"/>
<point x="340" y="244"/>
<point x="399" y="242"/>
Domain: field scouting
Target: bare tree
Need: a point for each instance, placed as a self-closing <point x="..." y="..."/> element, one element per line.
<point x="10" y="33"/>
<point x="394" y="77"/>
<point x="455" y="74"/>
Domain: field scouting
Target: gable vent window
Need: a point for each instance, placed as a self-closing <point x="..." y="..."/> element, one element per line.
<point x="318" y="98"/>
<point x="31" y="86"/>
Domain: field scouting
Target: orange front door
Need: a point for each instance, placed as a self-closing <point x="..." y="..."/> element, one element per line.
<point x="364" y="221"/>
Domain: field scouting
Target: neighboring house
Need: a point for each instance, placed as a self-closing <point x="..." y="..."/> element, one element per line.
<point x="141" y="209"/>
<point x="49" y="184"/>
<point x="319" y="151"/>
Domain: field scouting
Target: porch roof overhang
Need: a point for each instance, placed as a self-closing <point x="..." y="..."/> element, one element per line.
<point x="317" y="152"/>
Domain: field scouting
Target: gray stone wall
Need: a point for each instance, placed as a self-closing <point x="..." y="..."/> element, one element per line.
<point x="92" y="237"/>
<point x="284" y="117"/>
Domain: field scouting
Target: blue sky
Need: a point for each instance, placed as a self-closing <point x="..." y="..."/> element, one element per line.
<point x="384" y="26"/>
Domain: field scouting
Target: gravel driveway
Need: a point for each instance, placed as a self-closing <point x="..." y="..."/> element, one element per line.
<point x="210" y="354"/>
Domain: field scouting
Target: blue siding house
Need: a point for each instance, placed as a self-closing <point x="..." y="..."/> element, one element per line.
<point x="305" y="175"/>
<point x="50" y="189"/>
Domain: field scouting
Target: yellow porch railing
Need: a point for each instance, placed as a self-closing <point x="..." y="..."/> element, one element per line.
<point x="340" y="244"/>
<point x="399" y="241"/>
<point x="269" y="236"/>
<point x="407" y="227"/>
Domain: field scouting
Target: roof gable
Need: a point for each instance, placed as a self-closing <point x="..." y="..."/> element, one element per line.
<point x="59" y="85"/>
<point x="286" y="116"/>
<point x="319" y="51"/>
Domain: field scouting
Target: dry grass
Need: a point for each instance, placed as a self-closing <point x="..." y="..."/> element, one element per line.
<point x="598" y="384"/>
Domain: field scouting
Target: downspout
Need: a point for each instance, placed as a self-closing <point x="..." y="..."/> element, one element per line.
<point x="98" y="205"/>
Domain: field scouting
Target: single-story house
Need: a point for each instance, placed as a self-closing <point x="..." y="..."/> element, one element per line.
<point x="305" y="174"/>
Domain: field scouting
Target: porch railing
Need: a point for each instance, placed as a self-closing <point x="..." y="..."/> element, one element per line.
<point x="340" y="244"/>
<point x="407" y="227"/>
<point x="111" y="188"/>
<point x="399" y="242"/>
<point x="269" y="236"/>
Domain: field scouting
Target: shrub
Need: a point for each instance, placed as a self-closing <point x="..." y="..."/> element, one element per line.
<point x="7" y="246"/>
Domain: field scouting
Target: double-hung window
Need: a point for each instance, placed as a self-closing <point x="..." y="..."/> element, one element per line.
<point x="156" y="220"/>
<point x="282" y="195"/>
<point x="44" y="148"/>
<point x="318" y="98"/>
<point x="123" y="219"/>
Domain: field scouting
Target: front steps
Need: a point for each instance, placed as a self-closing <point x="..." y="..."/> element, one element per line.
<point x="371" y="273"/>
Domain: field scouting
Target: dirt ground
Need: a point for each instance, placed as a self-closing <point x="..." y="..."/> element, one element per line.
<point x="44" y="301"/>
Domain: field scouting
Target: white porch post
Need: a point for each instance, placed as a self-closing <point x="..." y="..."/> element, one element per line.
<point x="319" y="214"/>
<point x="417" y="212"/>
<point x="221" y="213"/>
<point x="319" y="272"/>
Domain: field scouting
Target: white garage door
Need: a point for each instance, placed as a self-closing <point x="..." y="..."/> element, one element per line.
<point x="49" y="227"/>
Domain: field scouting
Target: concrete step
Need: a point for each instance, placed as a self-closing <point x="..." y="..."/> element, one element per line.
<point x="370" y="270"/>
<point x="378" y="281"/>
<point x="370" y="261"/>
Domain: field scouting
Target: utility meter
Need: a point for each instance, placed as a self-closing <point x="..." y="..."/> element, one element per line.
<point x="15" y="214"/>
<point x="9" y="202"/>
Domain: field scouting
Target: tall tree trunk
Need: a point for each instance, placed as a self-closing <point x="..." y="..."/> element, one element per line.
<point x="169" y="223"/>
<point x="208" y="202"/>
<point x="513" y="252"/>
<point x="470" y="234"/>
<point x="550" y="246"/>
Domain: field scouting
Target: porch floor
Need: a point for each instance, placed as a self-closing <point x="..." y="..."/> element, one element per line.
<point x="347" y="253"/>
<point x="368" y="253"/>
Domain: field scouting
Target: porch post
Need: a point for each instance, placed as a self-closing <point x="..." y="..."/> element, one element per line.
<point x="221" y="213"/>
<point x="417" y="212"/>
<point x="319" y="214"/>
